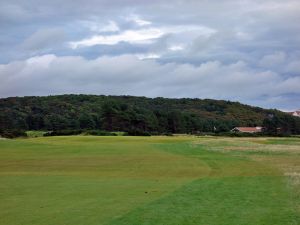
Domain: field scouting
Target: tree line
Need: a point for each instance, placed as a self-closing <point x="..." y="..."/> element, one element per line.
<point x="137" y="115"/>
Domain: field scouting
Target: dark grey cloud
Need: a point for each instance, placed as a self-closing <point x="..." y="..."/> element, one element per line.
<point x="245" y="50"/>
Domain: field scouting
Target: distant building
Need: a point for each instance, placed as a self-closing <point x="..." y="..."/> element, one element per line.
<point x="295" y="113"/>
<point x="247" y="129"/>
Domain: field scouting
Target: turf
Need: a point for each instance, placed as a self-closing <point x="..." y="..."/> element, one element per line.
<point x="33" y="133"/>
<point x="83" y="180"/>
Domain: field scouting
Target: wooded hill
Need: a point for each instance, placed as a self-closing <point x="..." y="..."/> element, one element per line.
<point x="136" y="114"/>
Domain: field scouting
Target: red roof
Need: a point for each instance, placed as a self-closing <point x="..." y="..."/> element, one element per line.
<point x="248" y="129"/>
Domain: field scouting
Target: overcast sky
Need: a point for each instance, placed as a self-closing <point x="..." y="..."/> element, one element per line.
<point x="240" y="50"/>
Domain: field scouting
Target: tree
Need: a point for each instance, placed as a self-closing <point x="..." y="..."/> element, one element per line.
<point x="109" y="113"/>
<point x="86" y="121"/>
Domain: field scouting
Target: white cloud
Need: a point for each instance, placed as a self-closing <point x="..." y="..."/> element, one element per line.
<point x="97" y="27"/>
<point x="274" y="59"/>
<point x="136" y="19"/>
<point x="40" y="61"/>
<point x="145" y="35"/>
<point x="131" y="36"/>
<point x="148" y="56"/>
<point x="198" y="29"/>
<point x="176" y="47"/>
<point x="141" y="22"/>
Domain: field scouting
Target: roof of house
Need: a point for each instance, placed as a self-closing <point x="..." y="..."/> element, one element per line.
<point x="295" y="113"/>
<point x="248" y="129"/>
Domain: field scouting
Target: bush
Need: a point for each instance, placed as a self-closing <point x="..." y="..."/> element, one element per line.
<point x="63" y="132"/>
<point x="100" y="133"/>
<point x="239" y="134"/>
<point x="205" y="134"/>
<point x="137" y="132"/>
<point x="76" y="132"/>
<point x="13" y="133"/>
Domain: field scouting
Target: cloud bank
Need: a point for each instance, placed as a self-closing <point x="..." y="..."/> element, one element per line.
<point x="129" y="75"/>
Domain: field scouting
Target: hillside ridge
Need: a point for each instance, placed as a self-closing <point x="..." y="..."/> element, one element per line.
<point x="123" y="113"/>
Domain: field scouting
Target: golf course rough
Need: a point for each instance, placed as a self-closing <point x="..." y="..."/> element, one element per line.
<point x="86" y="180"/>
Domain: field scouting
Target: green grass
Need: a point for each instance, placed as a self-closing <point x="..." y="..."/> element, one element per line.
<point x="230" y="200"/>
<point x="283" y="141"/>
<point x="34" y="133"/>
<point x="81" y="180"/>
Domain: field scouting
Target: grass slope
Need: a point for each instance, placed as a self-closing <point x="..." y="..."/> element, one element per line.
<point x="153" y="180"/>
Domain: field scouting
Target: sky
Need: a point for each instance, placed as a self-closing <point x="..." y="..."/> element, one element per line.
<point x="238" y="50"/>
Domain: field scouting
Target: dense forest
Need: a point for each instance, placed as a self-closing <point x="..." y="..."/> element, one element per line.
<point x="137" y="115"/>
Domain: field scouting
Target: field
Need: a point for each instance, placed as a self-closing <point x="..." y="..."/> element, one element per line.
<point x="87" y="180"/>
